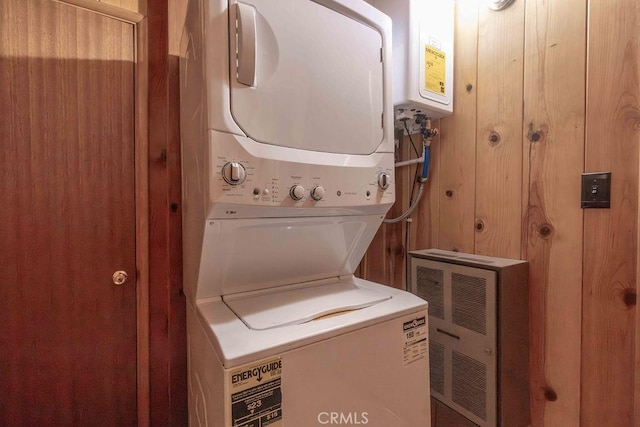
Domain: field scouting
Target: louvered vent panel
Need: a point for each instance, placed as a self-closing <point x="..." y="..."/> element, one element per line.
<point x="469" y="302"/>
<point x="430" y="287"/>
<point x="469" y="384"/>
<point x="436" y="366"/>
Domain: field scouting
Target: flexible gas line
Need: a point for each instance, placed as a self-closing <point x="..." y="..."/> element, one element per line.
<point x="427" y="134"/>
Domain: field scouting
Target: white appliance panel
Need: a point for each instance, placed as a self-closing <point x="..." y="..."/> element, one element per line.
<point x="350" y="183"/>
<point x="313" y="77"/>
<point x="361" y="374"/>
<point x="243" y="255"/>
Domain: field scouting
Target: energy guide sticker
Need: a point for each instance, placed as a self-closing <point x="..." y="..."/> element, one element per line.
<point x="256" y="395"/>
<point x="435" y="69"/>
<point x="415" y="340"/>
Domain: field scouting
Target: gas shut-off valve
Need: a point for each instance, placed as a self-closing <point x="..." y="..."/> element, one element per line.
<point x="426" y="130"/>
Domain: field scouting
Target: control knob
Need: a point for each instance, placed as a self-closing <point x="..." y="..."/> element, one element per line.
<point x="234" y="173"/>
<point x="317" y="193"/>
<point x="383" y="180"/>
<point x="297" y="192"/>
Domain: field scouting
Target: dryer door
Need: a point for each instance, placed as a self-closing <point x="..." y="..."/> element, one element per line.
<point x="305" y="76"/>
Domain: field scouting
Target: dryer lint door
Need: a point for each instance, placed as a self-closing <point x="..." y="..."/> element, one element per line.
<point x="306" y="76"/>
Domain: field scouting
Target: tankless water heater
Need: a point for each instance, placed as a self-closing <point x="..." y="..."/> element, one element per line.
<point x="422" y="55"/>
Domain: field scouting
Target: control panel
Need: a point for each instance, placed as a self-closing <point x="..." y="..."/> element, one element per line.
<point x="238" y="177"/>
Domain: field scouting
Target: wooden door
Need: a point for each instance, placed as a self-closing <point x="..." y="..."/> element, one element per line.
<point x="67" y="332"/>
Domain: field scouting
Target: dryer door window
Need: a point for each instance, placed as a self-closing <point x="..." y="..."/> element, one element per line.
<point x="305" y="76"/>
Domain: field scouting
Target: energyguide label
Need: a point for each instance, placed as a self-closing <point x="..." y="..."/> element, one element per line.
<point x="415" y="340"/>
<point x="256" y="395"/>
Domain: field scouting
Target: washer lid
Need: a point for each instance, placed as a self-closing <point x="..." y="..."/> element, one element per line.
<point x="301" y="305"/>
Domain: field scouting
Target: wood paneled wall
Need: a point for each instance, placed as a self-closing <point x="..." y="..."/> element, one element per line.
<point x="544" y="91"/>
<point x="133" y="5"/>
<point x="610" y="236"/>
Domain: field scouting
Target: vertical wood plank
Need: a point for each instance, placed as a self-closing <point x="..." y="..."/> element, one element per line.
<point x="499" y="137"/>
<point x="554" y="93"/>
<point x="425" y="219"/>
<point x="124" y="4"/>
<point x="177" y="301"/>
<point x="458" y="139"/>
<point x="142" y="218"/>
<point x="637" y="354"/>
<point x="373" y="265"/>
<point x="177" y="15"/>
<point x="410" y="233"/>
<point x="610" y="235"/>
<point x="167" y="307"/>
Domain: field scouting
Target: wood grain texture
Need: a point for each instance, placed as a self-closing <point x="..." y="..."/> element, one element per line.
<point x="637" y="355"/>
<point x="177" y="13"/>
<point x="177" y="301"/>
<point x="499" y="138"/>
<point x="142" y="218"/>
<point x="610" y="237"/>
<point x="123" y="4"/>
<point x="67" y="220"/>
<point x="457" y="158"/>
<point x="554" y="93"/>
<point x="406" y="180"/>
<point x="426" y="218"/>
<point x="132" y="16"/>
<point x="167" y="305"/>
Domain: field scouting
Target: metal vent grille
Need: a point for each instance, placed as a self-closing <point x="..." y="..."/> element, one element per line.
<point x="430" y="286"/>
<point x="469" y="384"/>
<point x="436" y="366"/>
<point x="469" y="302"/>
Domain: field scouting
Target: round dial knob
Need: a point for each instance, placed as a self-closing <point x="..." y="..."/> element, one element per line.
<point x="317" y="193"/>
<point x="297" y="192"/>
<point x="383" y="180"/>
<point x="234" y="173"/>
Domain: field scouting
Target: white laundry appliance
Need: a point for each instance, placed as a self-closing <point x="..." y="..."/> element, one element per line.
<point x="286" y="123"/>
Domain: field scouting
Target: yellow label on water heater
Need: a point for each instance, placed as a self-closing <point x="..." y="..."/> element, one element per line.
<point x="435" y="66"/>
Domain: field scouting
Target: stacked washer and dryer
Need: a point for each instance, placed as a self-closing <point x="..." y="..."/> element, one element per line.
<point x="288" y="171"/>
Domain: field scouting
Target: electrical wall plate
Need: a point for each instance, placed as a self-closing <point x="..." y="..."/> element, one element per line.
<point x="596" y="190"/>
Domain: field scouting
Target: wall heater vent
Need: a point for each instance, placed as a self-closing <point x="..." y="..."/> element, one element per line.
<point x="479" y="334"/>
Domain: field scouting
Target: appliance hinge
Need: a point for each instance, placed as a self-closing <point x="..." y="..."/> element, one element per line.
<point x="381" y="58"/>
<point x="382" y="120"/>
